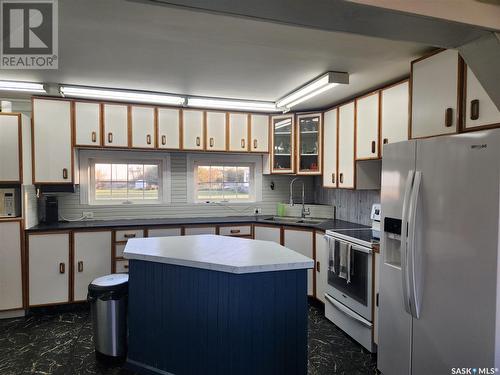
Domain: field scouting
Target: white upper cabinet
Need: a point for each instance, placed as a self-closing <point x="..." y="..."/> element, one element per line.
<point x="330" y="149"/>
<point x="216" y="131"/>
<point x="394" y="116"/>
<point x="434" y="98"/>
<point x="169" y="128"/>
<point x="10" y="147"/>
<point x="479" y="108"/>
<point x="259" y="133"/>
<point x="52" y="158"/>
<point x="115" y="125"/>
<point x="11" y="283"/>
<point x="192" y="129"/>
<point x="367" y="126"/>
<point x="238" y="132"/>
<point x="346" y="146"/>
<point x="87" y="124"/>
<point x="143" y="126"/>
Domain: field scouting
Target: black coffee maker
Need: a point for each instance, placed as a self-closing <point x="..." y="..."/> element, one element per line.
<point x="51" y="210"/>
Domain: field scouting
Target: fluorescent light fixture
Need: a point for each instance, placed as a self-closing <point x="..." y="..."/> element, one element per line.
<point x="21" y="86"/>
<point x="121" y="95"/>
<point x="317" y="86"/>
<point x="242" y="105"/>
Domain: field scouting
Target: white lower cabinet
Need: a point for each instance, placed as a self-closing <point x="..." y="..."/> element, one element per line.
<point x="199" y="230"/>
<point x="267" y="233"/>
<point x="321" y="269"/>
<point x="92" y="259"/>
<point x="164" y="232"/>
<point x="122" y="266"/>
<point x="301" y="241"/>
<point x="48" y="264"/>
<point x="11" y="284"/>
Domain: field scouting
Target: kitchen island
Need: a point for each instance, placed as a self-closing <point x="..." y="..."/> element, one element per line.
<point x="216" y="305"/>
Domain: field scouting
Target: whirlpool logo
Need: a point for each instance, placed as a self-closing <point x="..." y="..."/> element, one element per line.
<point x="474" y="370"/>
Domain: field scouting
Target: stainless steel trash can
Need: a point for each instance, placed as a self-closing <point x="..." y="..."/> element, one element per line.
<point x="108" y="309"/>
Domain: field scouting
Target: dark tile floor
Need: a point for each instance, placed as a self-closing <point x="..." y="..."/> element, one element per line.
<point x="48" y="342"/>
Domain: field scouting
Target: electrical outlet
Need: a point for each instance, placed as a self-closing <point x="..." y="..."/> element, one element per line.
<point x="257" y="211"/>
<point x="88" y="214"/>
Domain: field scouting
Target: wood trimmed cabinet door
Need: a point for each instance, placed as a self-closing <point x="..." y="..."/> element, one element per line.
<point x="10" y="147"/>
<point x="192" y="129"/>
<point x="87" y="124"/>
<point x="480" y="111"/>
<point x="52" y="146"/>
<point x="238" y="132"/>
<point x="11" y="283"/>
<point x="91" y="259"/>
<point x="367" y="127"/>
<point x="434" y="95"/>
<point x="267" y="233"/>
<point x="169" y="128"/>
<point x="48" y="268"/>
<point x="216" y="131"/>
<point x="259" y="133"/>
<point x="394" y="113"/>
<point x="346" y="146"/>
<point x="142" y="122"/>
<point x="282" y="144"/>
<point x="309" y="153"/>
<point x="301" y="241"/>
<point x="321" y="266"/>
<point x="330" y="176"/>
<point x="115" y="119"/>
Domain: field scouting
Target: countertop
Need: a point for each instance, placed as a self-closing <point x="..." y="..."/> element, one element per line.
<point x="126" y="223"/>
<point x="217" y="253"/>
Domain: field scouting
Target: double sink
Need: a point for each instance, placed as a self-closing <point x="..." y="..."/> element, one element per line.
<point x="293" y="220"/>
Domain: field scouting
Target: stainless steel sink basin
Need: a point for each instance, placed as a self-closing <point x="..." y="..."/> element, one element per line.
<point x="294" y="220"/>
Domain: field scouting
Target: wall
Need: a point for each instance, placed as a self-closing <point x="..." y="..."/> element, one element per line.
<point x="351" y="205"/>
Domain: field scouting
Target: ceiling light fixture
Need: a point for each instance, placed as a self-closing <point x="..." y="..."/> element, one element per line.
<point x="22" y="86"/>
<point x="242" y="105"/>
<point x="313" y="88"/>
<point x="121" y="95"/>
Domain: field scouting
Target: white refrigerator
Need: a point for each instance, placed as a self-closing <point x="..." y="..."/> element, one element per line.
<point x="439" y="299"/>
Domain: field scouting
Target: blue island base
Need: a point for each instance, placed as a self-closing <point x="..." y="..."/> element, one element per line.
<point x="185" y="320"/>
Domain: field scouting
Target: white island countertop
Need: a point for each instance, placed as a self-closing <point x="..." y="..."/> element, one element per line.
<point x="217" y="253"/>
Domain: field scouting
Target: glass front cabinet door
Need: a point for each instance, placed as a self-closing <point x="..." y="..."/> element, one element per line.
<point x="283" y="155"/>
<point x="309" y="144"/>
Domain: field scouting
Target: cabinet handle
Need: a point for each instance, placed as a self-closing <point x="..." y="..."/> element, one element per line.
<point x="448" y="117"/>
<point x="317" y="266"/>
<point x="211" y="142"/>
<point x="125" y="266"/>
<point x="234" y="231"/>
<point x="333" y="178"/>
<point x="148" y="139"/>
<point x="197" y="141"/>
<point x="242" y="143"/>
<point x="110" y="137"/>
<point x="164" y="140"/>
<point x="129" y="235"/>
<point x="94" y="137"/>
<point x="386" y="141"/>
<point x="62" y="268"/>
<point x="65" y="173"/>
<point x="373" y="147"/>
<point x="474" y="109"/>
<point x="341" y="178"/>
<point x="254" y="143"/>
<point x="80" y="266"/>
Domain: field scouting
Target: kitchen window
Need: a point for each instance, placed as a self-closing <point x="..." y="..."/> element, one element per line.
<point x="121" y="179"/>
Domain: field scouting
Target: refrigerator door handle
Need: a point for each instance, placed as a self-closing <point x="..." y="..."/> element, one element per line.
<point x="404" y="245"/>
<point x="414" y="278"/>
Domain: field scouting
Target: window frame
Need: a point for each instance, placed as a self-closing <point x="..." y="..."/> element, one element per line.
<point x="252" y="161"/>
<point x="88" y="159"/>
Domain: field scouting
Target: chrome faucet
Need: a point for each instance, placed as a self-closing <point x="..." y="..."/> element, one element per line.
<point x="305" y="211"/>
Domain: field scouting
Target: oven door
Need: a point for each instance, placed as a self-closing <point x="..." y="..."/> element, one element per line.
<point x="357" y="293"/>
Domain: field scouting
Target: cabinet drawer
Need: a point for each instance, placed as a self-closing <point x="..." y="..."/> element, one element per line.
<point x="164" y="232"/>
<point x="199" y="230"/>
<point x="243" y="230"/>
<point x="124" y="235"/>
<point x="121" y="266"/>
<point x="119" y="249"/>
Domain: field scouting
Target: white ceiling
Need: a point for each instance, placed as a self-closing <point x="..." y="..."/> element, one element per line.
<point x="122" y="44"/>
